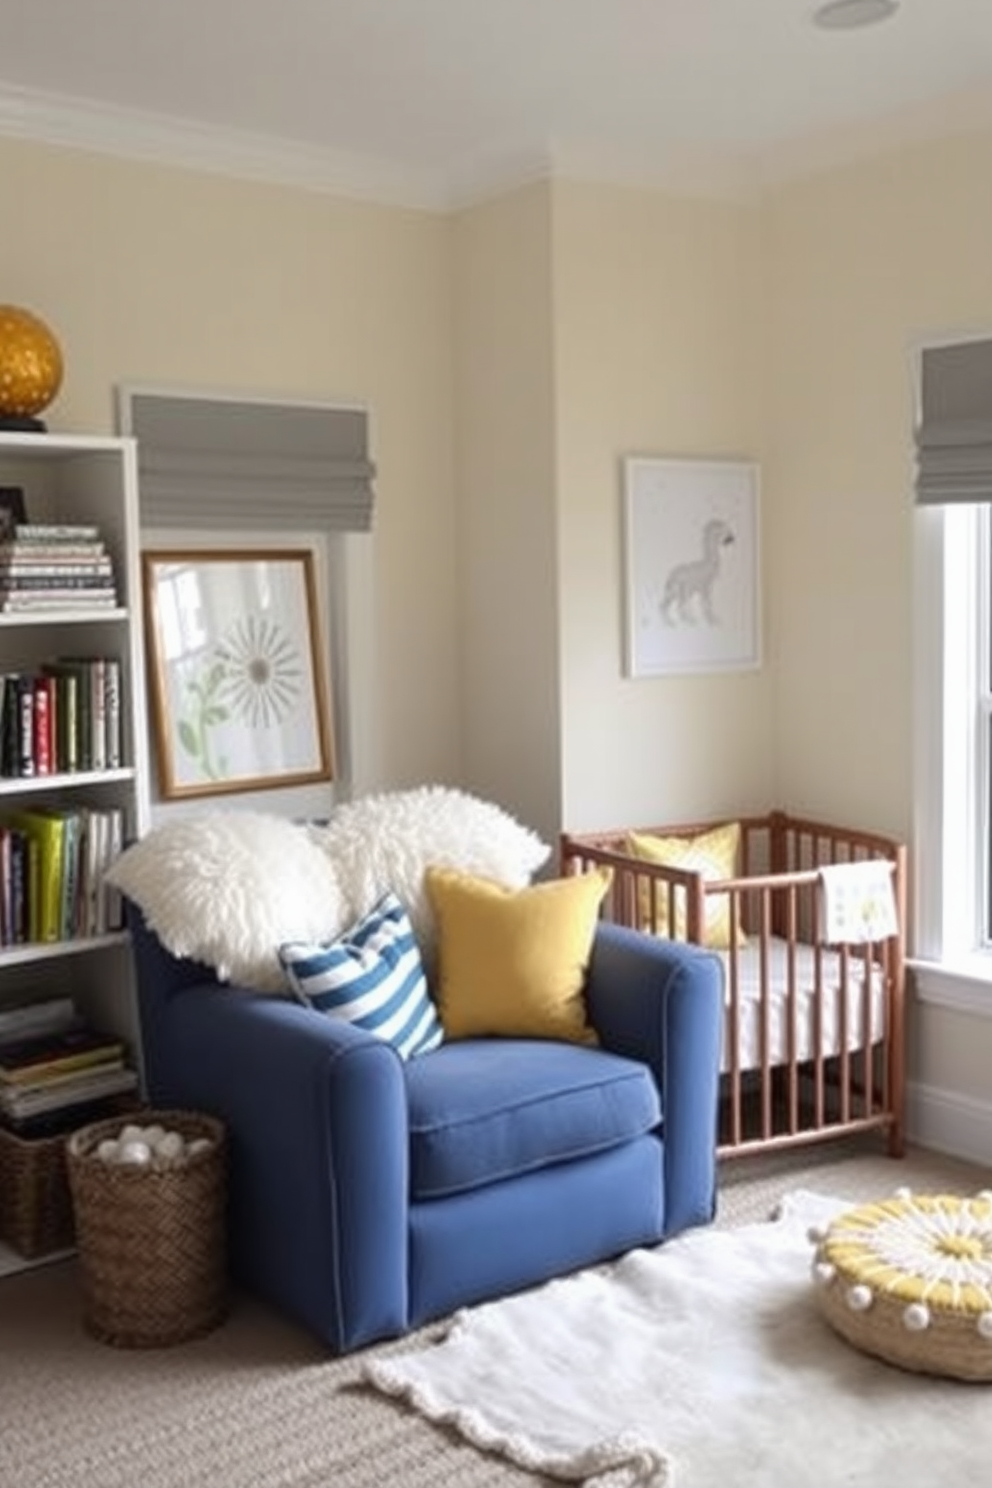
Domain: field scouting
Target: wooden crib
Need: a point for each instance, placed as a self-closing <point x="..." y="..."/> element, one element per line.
<point x="813" y="1044"/>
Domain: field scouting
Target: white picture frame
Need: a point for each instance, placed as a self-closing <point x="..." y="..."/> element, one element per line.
<point x="692" y="566"/>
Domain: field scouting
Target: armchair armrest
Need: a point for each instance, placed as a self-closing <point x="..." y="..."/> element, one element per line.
<point x="317" y="1122"/>
<point x="661" y="1001"/>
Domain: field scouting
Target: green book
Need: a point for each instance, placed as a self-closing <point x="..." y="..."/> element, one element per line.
<point x="46" y="865"/>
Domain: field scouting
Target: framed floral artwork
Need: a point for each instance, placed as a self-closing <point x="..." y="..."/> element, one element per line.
<point x="238" y="684"/>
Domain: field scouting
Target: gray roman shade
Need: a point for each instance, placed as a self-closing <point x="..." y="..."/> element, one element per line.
<point x="954" y="433"/>
<point x="205" y="462"/>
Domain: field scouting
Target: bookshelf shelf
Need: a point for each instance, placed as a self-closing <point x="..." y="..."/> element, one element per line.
<point x="36" y="952"/>
<point x="40" y="784"/>
<point x="76" y="480"/>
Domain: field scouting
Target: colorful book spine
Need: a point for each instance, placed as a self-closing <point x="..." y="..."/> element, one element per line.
<point x="98" y="713"/>
<point x="44" y="725"/>
<point x="113" y="743"/>
<point x="7" y="935"/>
<point x="18" y="888"/>
<point x="113" y="903"/>
<point x="67" y="736"/>
<point x="69" y="884"/>
<point x="10" y="753"/>
<point x="45" y="834"/>
<point x="25" y="730"/>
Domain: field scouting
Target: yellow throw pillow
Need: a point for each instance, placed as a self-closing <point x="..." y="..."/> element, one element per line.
<point x="714" y="855"/>
<point x="513" y="962"/>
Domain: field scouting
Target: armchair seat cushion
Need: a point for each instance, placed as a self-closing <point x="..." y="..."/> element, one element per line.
<point x="481" y="1110"/>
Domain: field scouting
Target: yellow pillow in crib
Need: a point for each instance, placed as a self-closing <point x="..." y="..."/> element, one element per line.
<point x="714" y="855"/>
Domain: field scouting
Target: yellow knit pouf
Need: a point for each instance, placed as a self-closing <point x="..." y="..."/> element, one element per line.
<point x="909" y="1279"/>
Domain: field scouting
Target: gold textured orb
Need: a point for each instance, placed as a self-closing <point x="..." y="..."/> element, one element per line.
<point x="30" y="363"/>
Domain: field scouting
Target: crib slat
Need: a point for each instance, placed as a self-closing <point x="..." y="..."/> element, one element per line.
<point x="791" y="1009"/>
<point x="767" y="1128"/>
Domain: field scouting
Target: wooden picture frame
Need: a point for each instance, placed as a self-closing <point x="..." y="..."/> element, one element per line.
<point x="238" y="683"/>
<point x="692" y="566"/>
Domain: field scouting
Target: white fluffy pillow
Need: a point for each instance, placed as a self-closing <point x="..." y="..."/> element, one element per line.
<point x="228" y="887"/>
<point x="385" y="842"/>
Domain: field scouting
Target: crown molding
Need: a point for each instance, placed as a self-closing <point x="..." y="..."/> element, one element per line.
<point x="81" y="124"/>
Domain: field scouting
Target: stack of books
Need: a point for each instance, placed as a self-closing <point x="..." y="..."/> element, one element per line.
<point x="55" y="1069"/>
<point x="59" y="566"/>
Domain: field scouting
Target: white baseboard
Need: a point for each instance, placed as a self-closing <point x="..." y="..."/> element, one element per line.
<point x="945" y="1122"/>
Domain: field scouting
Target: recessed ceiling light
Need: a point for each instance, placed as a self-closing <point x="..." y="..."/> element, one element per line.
<point x="851" y="15"/>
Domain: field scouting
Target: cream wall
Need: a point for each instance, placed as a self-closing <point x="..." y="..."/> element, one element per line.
<point x="158" y="276"/>
<point x="594" y="322"/>
<point x="505" y="420"/>
<point x="861" y="265"/>
<point x="658" y="351"/>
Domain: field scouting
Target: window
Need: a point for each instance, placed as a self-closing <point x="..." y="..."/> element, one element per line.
<point x="953" y="675"/>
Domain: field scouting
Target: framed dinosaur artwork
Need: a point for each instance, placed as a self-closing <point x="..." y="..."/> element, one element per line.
<point x="692" y="566"/>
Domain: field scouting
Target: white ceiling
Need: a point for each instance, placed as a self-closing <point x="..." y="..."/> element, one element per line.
<point x="432" y="102"/>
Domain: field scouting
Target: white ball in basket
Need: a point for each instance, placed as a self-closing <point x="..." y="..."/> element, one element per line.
<point x="135" y="1152"/>
<point x="154" y="1146"/>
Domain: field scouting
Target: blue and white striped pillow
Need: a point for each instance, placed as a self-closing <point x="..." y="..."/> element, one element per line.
<point x="373" y="977"/>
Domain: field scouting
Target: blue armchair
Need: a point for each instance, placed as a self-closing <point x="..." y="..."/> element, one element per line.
<point x="369" y="1196"/>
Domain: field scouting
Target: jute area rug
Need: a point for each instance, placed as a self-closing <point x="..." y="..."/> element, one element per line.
<point x="258" y="1403"/>
<point x="703" y="1363"/>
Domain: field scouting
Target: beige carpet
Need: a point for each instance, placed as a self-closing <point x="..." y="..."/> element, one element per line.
<point x="258" y="1404"/>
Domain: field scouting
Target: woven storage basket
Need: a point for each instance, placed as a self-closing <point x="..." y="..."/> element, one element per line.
<point x="35" y="1203"/>
<point x="35" y="1206"/>
<point x="152" y="1241"/>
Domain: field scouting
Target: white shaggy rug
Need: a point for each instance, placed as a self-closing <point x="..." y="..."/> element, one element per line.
<point x="702" y="1363"/>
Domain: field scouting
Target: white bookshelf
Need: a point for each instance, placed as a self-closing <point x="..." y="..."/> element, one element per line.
<point x="70" y="479"/>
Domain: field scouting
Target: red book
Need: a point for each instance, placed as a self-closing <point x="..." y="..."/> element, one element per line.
<point x="44" y="725"/>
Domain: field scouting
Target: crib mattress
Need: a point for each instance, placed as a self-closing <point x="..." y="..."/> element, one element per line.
<point x="806" y="1025"/>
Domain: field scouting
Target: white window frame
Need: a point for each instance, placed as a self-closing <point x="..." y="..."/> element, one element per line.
<point x="952" y="612"/>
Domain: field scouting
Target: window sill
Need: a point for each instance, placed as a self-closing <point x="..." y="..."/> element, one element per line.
<point x="964" y="986"/>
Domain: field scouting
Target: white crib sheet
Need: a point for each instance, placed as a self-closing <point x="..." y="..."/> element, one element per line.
<point x="749" y="1003"/>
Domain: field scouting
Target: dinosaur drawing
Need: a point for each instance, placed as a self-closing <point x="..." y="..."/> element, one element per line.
<point x="688" y="594"/>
